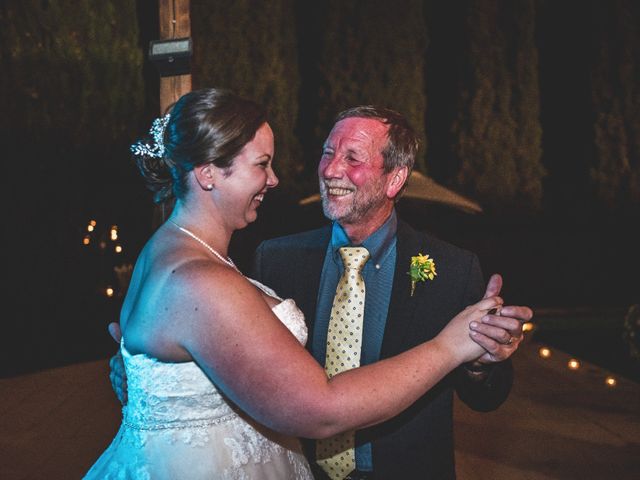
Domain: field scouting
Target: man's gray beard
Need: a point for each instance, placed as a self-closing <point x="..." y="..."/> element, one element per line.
<point x="358" y="209"/>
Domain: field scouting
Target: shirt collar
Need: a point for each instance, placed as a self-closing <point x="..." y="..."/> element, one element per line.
<point x="378" y="243"/>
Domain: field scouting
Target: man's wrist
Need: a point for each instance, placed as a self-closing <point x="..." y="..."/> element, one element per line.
<point x="476" y="370"/>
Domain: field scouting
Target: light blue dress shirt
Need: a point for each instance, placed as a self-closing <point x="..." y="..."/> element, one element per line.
<point x="378" y="275"/>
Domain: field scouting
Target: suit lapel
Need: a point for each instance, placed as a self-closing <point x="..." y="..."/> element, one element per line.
<point x="308" y="277"/>
<point x="402" y="306"/>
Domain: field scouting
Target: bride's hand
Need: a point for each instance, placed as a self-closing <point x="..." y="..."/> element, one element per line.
<point x="457" y="338"/>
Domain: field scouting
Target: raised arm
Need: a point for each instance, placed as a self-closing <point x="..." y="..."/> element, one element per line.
<point x="254" y="360"/>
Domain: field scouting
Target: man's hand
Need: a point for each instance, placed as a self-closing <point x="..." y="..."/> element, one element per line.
<point x="118" y="375"/>
<point x="499" y="333"/>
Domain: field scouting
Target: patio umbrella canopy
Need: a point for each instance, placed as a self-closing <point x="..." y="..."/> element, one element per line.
<point x="425" y="188"/>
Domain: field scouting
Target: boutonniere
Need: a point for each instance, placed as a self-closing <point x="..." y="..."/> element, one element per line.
<point x="422" y="268"/>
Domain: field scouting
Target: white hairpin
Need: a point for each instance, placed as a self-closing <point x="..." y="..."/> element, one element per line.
<point x="156" y="149"/>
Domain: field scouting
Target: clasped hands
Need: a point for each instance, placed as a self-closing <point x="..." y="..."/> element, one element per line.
<point x="499" y="333"/>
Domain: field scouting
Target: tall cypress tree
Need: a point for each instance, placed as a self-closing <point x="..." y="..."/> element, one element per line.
<point x="373" y="54"/>
<point x="72" y="92"/>
<point x="250" y="48"/>
<point x="79" y="75"/>
<point x="525" y="108"/>
<point x="497" y="130"/>
<point x="616" y="101"/>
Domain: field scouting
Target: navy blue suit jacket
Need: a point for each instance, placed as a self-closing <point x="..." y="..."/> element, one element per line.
<point x="418" y="443"/>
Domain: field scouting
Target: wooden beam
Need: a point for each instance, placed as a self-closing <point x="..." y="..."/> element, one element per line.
<point x="175" y="22"/>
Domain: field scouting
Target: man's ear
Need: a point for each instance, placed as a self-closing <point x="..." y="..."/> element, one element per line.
<point x="205" y="176"/>
<point x="397" y="178"/>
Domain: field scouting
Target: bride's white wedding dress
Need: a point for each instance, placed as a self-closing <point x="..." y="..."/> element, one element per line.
<point x="177" y="425"/>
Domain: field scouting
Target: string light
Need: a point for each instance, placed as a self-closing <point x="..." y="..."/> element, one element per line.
<point x="573" y="364"/>
<point x="100" y="238"/>
<point x="528" y="327"/>
<point x="544" y="352"/>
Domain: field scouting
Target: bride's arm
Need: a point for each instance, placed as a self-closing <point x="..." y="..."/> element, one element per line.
<point x="233" y="335"/>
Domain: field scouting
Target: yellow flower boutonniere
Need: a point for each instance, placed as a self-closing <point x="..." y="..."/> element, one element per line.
<point x="422" y="268"/>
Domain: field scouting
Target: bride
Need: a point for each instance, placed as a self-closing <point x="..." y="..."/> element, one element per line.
<point x="219" y="382"/>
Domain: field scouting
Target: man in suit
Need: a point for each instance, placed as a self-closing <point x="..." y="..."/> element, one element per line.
<point x="366" y="160"/>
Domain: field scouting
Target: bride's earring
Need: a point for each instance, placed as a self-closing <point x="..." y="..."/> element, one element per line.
<point x="209" y="186"/>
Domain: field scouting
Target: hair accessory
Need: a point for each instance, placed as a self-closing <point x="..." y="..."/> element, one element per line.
<point x="156" y="149"/>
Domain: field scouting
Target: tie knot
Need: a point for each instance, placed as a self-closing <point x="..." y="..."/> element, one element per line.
<point x="354" y="257"/>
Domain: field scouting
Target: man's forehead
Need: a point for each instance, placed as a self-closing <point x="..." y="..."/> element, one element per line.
<point x="356" y="130"/>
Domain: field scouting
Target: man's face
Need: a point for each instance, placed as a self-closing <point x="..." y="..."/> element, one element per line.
<point x="353" y="184"/>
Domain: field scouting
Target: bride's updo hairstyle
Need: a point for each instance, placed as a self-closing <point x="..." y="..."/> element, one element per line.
<point x="209" y="125"/>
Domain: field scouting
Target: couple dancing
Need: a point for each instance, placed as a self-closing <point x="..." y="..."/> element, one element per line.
<point x="219" y="383"/>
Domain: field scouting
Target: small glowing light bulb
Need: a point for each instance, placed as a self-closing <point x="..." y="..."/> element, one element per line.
<point x="114" y="232"/>
<point x="610" y="381"/>
<point x="573" y="364"/>
<point x="109" y="292"/>
<point x="544" y="352"/>
<point x="118" y="249"/>
<point x="86" y="240"/>
<point x="527" y="327"/>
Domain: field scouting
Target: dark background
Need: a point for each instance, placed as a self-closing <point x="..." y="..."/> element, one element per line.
<point x="529" y="107"/>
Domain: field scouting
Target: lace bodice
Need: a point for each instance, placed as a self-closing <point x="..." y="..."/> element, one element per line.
<point x="175" y="404"/>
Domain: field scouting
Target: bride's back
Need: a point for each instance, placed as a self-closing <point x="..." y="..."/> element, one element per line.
<point x="153" y="311"/>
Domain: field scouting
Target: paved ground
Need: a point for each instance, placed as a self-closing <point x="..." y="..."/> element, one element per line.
<point x="557" y="424"/>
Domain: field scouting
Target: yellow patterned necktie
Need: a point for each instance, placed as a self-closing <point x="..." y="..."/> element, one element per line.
<point x="336" y="455"/>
